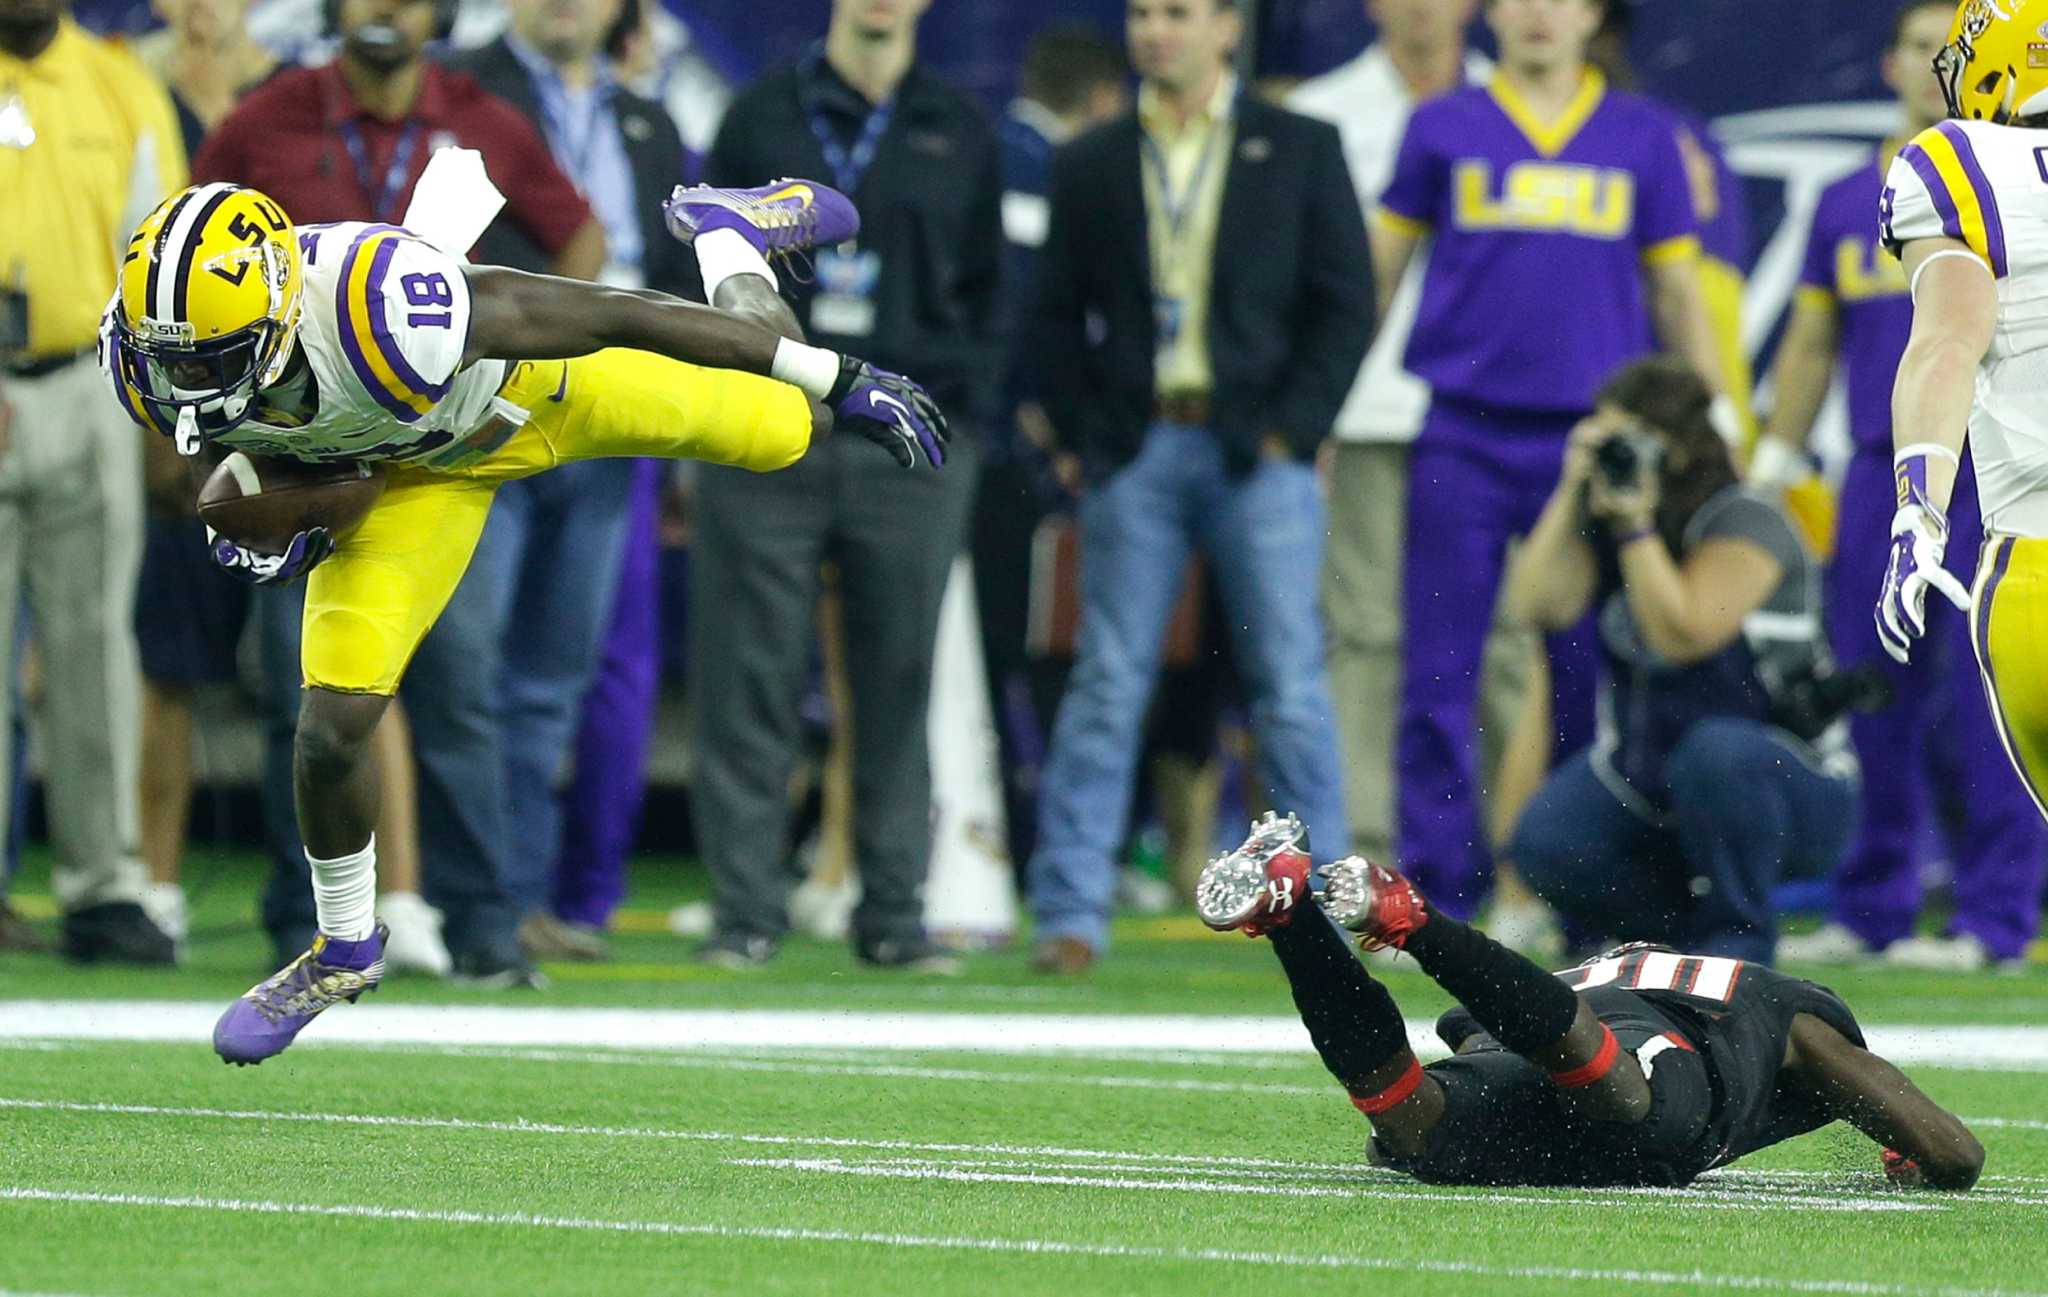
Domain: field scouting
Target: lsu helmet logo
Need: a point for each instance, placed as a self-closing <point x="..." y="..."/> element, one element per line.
<point x="1993" y="67"/>
<point x="207" y="309"/>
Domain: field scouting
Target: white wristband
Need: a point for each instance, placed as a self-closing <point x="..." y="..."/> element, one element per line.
<point x="1775" y="465"/>
<point x="1726" y="416"/>
<point x="813" y="369"/>
<point x="1920" y="449"/>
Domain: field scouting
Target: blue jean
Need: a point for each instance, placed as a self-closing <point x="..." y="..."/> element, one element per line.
<point x="1747" y="812"/>
<point x="551" y="557"/>
<point x="451" y="700"/>
<point x="1263" y="535"/>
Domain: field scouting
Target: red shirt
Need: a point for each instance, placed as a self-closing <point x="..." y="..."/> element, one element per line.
<point x="290" y="138"/>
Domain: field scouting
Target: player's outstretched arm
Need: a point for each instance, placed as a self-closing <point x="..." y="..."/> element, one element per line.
<point x="1878" y="1099"/>
<point x="519" y="316"/>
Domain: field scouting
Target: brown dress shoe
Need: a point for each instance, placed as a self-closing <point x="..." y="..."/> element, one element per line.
<point x="16" y="935"/>
<point x="1062" y="956"/>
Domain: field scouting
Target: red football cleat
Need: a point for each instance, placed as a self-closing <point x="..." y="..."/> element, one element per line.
<point x="1381" y="906"/>
<point x="1257" y="886"/>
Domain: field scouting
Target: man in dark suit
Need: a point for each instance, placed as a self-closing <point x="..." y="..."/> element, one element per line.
<point x="1205" y="300"/>
<point x="557" y="539"/>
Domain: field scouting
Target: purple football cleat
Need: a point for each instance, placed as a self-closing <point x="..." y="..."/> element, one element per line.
<point x="273" y="1012"/>
<point x="783" y="216"/>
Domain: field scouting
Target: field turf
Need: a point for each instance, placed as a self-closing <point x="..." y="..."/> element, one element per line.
<point x="457" y="1163"/>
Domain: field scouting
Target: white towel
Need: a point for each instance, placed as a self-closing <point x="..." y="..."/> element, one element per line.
<point x="454" y="201"/>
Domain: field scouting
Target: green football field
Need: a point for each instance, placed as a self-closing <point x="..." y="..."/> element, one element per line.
<point x="645" y="1126"/>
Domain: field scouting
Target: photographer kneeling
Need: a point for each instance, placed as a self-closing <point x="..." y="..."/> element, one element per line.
<point x="1720" y="765"/>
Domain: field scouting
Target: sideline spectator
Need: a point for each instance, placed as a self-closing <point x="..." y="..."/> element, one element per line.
<point x="347" y="142"/>
<point x="1853" y="306"/>
<point x="1420" y="54"/>
<point x="88" y="144"/>
<point x="917" y="292"/>
<point x="1196" y="403"/>
<point x="1527" y="305"/>
<point x="1712" y="781"/>
<point x="560" y="537"/>
<point x="1072" y="78"/>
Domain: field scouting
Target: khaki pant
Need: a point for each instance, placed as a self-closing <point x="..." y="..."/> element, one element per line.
<point x="1362" y="602"/>
<point x="71" y="539"/>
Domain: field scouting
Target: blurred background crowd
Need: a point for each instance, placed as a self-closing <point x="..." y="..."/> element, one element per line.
<point x="1462" y="423"/>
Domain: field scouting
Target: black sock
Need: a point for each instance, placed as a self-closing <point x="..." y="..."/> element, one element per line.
<point x="1520" y="1005"/>
<point x="1354" y="1022"/>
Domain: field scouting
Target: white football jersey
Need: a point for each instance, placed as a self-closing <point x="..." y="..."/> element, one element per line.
<point x="1987" y="185"/>
<point x="383" y="321"/>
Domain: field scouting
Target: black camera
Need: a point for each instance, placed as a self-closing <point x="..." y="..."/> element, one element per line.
<point x="1629" y="458"/>
<point x="1807" y="704"/>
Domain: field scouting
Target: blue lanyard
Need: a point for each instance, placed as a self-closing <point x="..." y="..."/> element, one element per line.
<point x="382" y="199"/>
<point x="1177" y="206"/>
<point x="850" y="166"/>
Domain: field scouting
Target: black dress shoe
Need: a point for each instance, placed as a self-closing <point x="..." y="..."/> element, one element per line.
<point x="116" y="933"/>
<point x="498" y="968"/>
<point x="17" y="936"/>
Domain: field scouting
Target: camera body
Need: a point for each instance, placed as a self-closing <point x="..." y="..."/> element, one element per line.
<point x="1628" y="458"/>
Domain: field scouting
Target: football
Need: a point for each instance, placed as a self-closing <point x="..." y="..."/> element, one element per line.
<point x="261" y="503"/>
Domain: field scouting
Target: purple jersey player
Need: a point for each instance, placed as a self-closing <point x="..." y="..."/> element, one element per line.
<point x="1565" y="244"/>
<point x="1853" y="306"/>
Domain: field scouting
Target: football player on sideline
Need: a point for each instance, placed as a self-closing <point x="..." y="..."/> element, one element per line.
<point x="234" y="330"/>
<point x="1641" y="1067"/>
<point x="1962" y="210"/>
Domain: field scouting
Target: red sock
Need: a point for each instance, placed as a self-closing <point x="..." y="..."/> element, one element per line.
<point x="1370" y="1104"/>
<point x="1601" y="1064"/>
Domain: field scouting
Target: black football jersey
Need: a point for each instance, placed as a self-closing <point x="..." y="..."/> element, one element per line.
<point x="1739" y="1015"/>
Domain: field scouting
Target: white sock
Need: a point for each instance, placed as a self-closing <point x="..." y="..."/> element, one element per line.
<point x="345" y="893"/>
<point x="723" y="254"/>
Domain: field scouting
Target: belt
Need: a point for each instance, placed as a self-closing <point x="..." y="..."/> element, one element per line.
<point x="42" y="366"/>
<point x="1182" y="407"/>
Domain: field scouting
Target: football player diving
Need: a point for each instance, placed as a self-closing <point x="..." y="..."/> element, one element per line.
<point x="234" y="330"/>
<point x="1641" y="1067"/>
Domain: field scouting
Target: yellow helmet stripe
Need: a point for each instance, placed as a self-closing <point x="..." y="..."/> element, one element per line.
<point x="372" y="354"/>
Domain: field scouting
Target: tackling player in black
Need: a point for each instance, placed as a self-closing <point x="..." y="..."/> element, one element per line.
<point x="1641" y="1067"/>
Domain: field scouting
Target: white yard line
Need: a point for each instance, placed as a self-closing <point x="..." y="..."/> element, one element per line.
<point x="927" y="1172"/>
<point x="651" y="1132"/>
<point x="1058" y="1165"/>
<point x="2013" y="1048"/>
<point x="1016" y="1246"/>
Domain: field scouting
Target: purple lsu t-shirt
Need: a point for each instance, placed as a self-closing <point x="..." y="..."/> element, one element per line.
<point x="1534" y="292"/>
<point x="1846" y="259"/>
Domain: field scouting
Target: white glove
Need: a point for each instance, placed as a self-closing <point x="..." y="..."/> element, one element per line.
<point x="1919" y="539"/>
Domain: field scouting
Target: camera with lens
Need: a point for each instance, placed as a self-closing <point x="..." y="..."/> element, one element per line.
<point x="1809" y="702"/>
<point x="1629" y="458"/>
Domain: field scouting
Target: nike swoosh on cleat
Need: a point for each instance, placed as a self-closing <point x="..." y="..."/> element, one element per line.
<point x="797" y="191"/>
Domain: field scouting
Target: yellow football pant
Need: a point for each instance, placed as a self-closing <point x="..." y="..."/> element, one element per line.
<point x="372" y="602"/>
<point x="2009" y="626"/>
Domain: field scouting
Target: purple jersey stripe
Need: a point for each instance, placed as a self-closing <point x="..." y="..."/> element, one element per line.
<point x="1985" y="603"/>
<point x="1994" y="229"/>
<point x="1981" y="633"/>
<point x="352" y="348"/>
<point x="1944" y="206"/>
<point x="380" y="331"/>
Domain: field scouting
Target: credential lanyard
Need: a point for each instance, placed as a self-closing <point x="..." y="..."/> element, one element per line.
<point x="1174" y="206"/>
<point x="850" y="166"/>
<point x="384" y="198"/>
